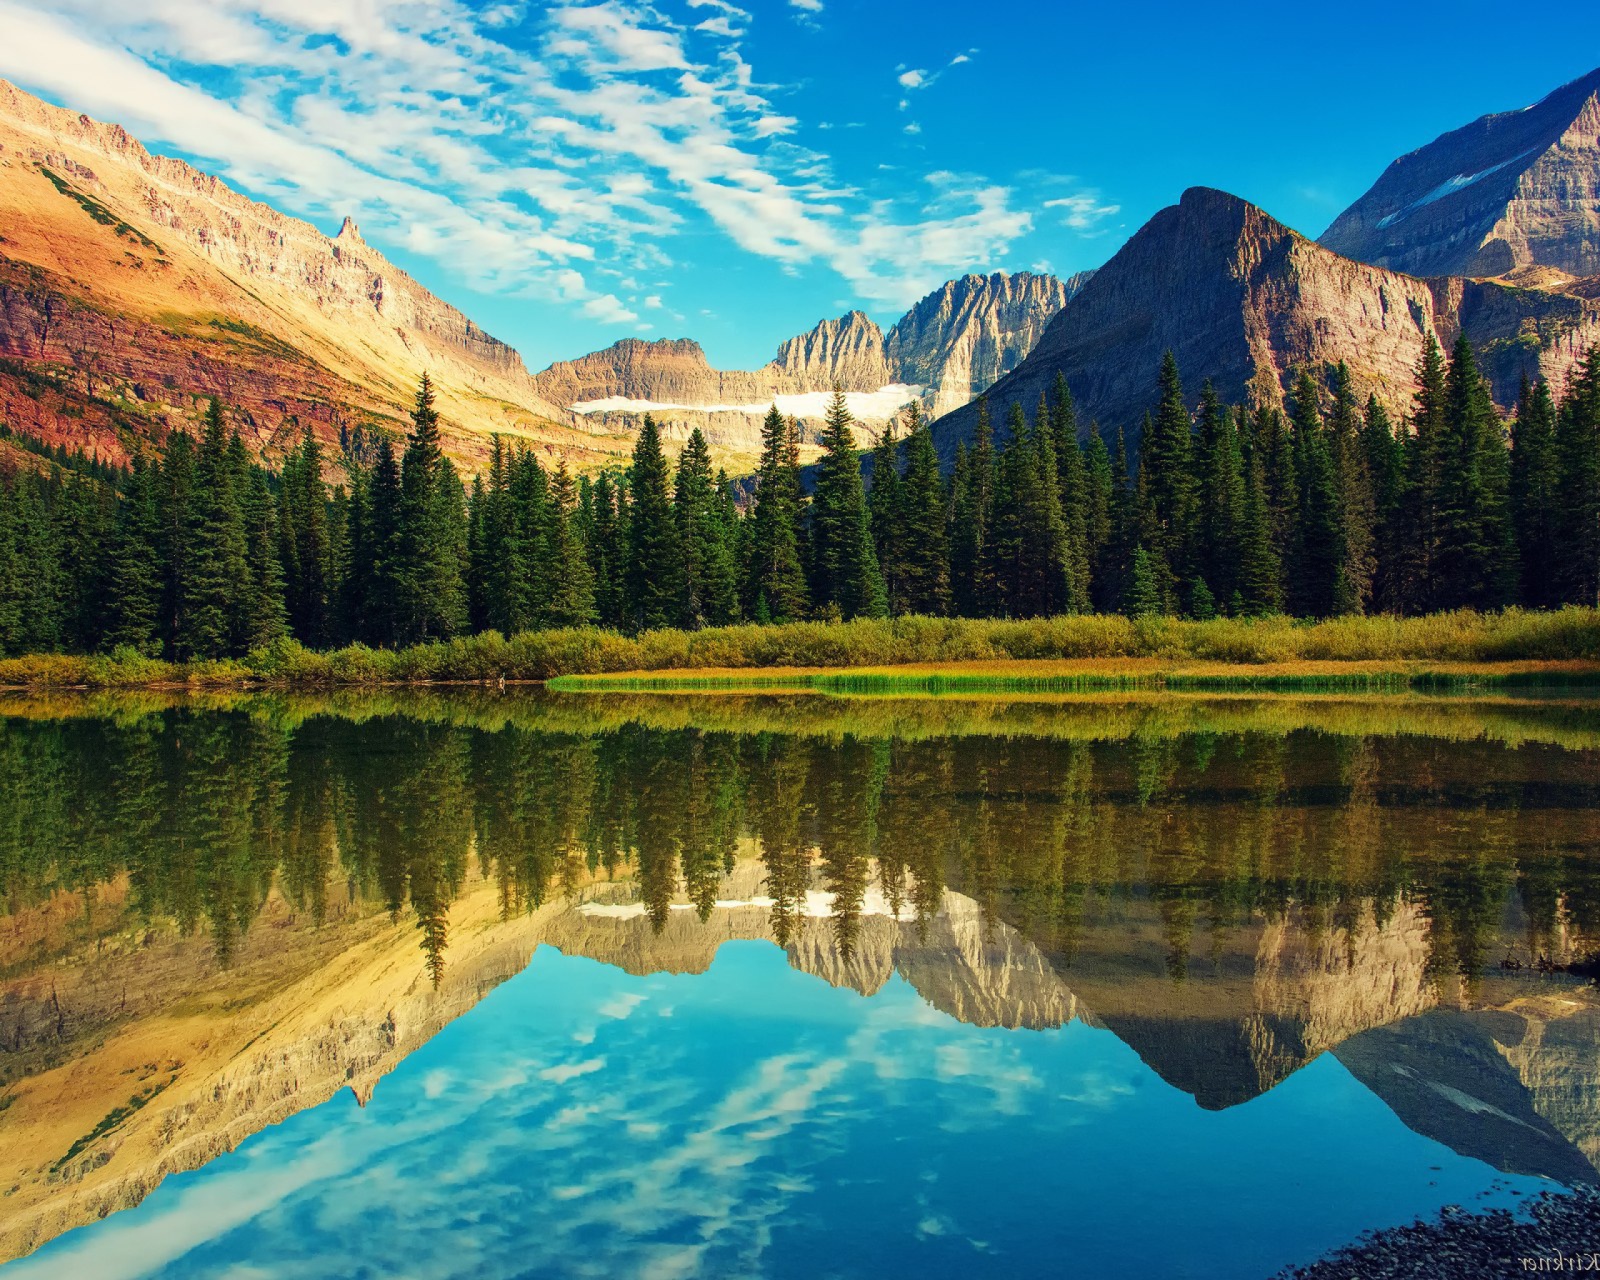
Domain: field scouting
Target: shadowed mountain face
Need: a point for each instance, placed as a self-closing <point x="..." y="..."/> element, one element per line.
<point x="241" y="908"/>
<point x="1512" y="192"/>
<point x="1244" y="301"/>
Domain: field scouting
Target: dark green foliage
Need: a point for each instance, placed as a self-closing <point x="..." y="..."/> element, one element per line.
<point x="1221" y="501"/>
<point x="926" y="561"/>
<point x="971" y="517"/>
<point x="710" y="589"/>
<point x="845" y="577"/>
<point x="1578" y="488"/>
<point x="776" y="580"/>
<point x="1317" y="552"/>
<point x="1535" y="489"/>
<point x="430" y="542"/>
<point x="654" y="592"/>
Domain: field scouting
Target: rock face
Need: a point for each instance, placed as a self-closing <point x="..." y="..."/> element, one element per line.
<point x="963" y="338"/>
<point x="1243" y="300"/>
<point x="1513" y="190"/>
<point x="849" y="351"/>
<point x="951" y="346"/>
<point x="135" y="286"/>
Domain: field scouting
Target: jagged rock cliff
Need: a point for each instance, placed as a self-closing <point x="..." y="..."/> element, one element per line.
<point x="1508" y="191"/>
<point x="133" y="286"/>
<point x="964" y="337"/>
<point x="849" y="351"/>
<point x="1243" y="300"/>
<point x="952" y="345"/>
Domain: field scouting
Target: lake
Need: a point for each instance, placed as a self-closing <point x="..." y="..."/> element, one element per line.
<point x="521" y="984"/>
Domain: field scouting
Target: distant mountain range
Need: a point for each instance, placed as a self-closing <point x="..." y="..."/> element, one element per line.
<point x="134" y="287"/>
<point x="950" y="347"/>
<point x="1246" y="302"/>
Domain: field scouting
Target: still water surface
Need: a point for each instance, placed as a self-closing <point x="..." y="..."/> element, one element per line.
<point x="701" y="986"/>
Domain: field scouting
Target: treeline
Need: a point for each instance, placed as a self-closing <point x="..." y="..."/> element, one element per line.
<point x="204" y="812"/>
<point x="1326" y="509"/>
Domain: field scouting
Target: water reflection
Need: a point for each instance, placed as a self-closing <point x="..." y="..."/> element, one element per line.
<point x="214" y="908"/>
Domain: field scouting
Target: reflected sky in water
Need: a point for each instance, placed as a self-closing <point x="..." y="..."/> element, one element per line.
<point x="753" y="1120"/>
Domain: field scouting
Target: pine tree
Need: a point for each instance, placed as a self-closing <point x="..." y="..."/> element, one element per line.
<point x="571" y="598"/>
<point x="776" y="575"/>
<point x="378" y="571"/>
<point x="1220" y="499"/>
<point x="1027" y="548"/>
<point x="1166" y="471"/>
<point x="886" y="516"/>
<point x="1578" y="456"/>
<point x="1260" y="586"/>
<point x="1073" y="477"/>
<point x="431" y="538"/>
<point x="925" y="503"/>
<point x="710" y="596"/>
<point x="971" y="514"/>
<point x="135" y="587"/>
<point x="845" y="574"/>
<point x="1385" y="469"/>
<point x="263" y="618"/>
<point x="217" y="549"/>
<point x="1144" y="595"/>
<point x="175" y="505"/>
<point x="12" y="572"/>
<point x="1536" y="495"/>
<point x="1317" y="549"/>
<point x="1099" y="501"/>
<point x="306" y="547"/>
<point x="1273" y="448"/>
<point x="654" y="554"/>
<point x="1357" y="508"/>
<point x="1468" y="566"/>
<point x="607" y="552"/>
<point x="526" y="575"/>
<point x="1415" y="543"/>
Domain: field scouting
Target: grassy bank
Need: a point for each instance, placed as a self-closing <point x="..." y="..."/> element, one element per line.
<point x="926" y="654"/>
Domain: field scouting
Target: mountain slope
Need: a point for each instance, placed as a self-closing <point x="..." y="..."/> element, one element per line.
<point x="1513" y="190"/>
<point x="1245" y="301"/>
<point x="952" y="345"/>
<point x="133" y="287"/>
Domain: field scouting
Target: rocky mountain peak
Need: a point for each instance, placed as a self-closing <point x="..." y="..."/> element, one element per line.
<point x="1241" y="299"/>
<point x="1510" y="190"/>
<point x="348" y="231"/>
<point x="849" y="351"/>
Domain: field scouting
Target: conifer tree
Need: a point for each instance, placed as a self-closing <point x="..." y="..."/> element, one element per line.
<point x="1385" y="469"/>
<point x="526" y="572"/>
<point x="1356" y="504"/>
<point x="217" y="608"/>
<point x="135" y="587"/>
<point x="379" y="567"/>
<point x="264" y="619"/>
<point x="1073" y="477"/>
<point x="654" y="561"/>
<point x="1143" y="598"/>
<point x="1415" y="544"/>
<point x="12" y="572"/>
<point x="607" y="553"/>
<point x="1578" y="456"/>
<point x="1260" y="586"/>
<point x="175" y="505"/>
<point x="925" y="506"/>
<point x="571" y="597"/>
<point x="1536" y="495"/>
<point x="845" y="574"/>
<point x="776" y="575"/>
<point x="431" y="537"/>
<point x="1099" y="495"/>
<point x="1274" y="448"/>
<point x="1317" y="550"/>
<point x="1468" y="565"/>
<point x="971" y="515"/>
<point x="886" y="516"/>
<point x="306" y="547"/>
<point x="1220" y="500"/>
<point x="710" y="595"/>
<point x="1166" y="471"/>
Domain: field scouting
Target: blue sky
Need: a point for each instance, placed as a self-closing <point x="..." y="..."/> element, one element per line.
<point x="753" y="1120"/>
<point x="572" y="174"/>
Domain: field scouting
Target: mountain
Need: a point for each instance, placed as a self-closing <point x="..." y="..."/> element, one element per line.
<point x="951" y="346"/>
<point x="1512" y="191"/>
<point x="133" y="287"/>
<point x="964" y="337"/>
<point x="1243" y="300"/>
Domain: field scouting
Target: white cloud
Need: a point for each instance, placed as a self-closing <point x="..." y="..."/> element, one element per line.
<point x="912" y="79"/>
<point x="528" y="170"/>
<point x="1083" y="212"/>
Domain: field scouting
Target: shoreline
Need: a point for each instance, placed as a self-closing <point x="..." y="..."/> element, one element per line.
<point x="1020" y="675"/>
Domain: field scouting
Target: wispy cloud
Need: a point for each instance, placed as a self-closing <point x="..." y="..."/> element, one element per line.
<point x="1084" y="211"/>
<point x="530" y="150"/>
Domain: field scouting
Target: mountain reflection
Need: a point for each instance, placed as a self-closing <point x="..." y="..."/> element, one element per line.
<point x="1231" y="887"/>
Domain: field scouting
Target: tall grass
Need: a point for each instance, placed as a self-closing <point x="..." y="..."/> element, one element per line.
<point x="1570" y="636"/>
